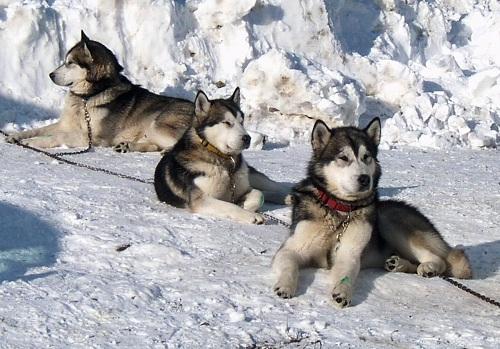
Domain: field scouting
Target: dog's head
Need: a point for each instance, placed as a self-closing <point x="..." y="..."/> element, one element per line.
<point x="220" y="122"/>
<point x="344" y="160"/>
<point x="88" y="65"/>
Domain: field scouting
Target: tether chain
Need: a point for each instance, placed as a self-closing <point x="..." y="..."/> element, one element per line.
<point x="344" y="225"/>
<point x="276" y="220"/>
<point x="78" y="164"/>
<point x="89" y="133"/>
<point x="57" y="156"/>
<point x="470" y="291"/>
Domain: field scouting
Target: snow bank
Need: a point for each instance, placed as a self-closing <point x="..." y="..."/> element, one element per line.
<point x="429" y="69"/>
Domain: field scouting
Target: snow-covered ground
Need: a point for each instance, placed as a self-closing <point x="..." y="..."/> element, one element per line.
<point x="431" y="69"/>
<point x="198" y="282"/>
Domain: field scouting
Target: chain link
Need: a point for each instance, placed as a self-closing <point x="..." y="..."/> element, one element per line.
<point x="344" y="225"/>
<point x="89" y="133"/>
<point x="470" y="291"/>
<point x="58" y="156"/>
<point x="276" y="220"/>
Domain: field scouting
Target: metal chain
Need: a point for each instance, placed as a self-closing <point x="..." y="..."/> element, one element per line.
<point x="89" y="133"/>
<point x="78" y="164"/>
<point x="276" y="220"/>
<point x="344" y="225"/>
<point x="232" y="182"/>
<point x="470" y="291"/>
<point x="58" y="156"/>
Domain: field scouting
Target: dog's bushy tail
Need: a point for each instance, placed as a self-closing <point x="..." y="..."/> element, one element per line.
<point x="458" y="264"/>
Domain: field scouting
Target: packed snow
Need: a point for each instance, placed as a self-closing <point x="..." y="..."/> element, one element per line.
<point x="430" y="69"/>
<point x="88" y="260"/>
<point x="199" y="282"/>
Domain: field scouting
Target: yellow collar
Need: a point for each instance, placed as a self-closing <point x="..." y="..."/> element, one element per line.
<point x="213" y="149"/>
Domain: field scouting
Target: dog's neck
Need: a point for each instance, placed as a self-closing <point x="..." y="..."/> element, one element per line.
<point x="341" y="205"/>
<point x="100" y="88"/>
<point x="211" y="148"/>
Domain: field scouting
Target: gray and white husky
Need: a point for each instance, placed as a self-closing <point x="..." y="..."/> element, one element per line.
<point x="339" y="223"/>
<point x="205" y="171"/>
<point x="123" y="115"/>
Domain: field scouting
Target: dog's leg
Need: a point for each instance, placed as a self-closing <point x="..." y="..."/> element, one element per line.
<point x="273" y="191"/>
<point x="430" y="264"/>
<point x="125" y="147"/>
<point x="396" y="264"/>
<point x="347" y="262"/>
<point x="302" y="247"/>
<point x="214" y="207"/>
<point x="286" y="265"/>
<point x="57" y="140"/>
<point x="48" y="130"/>
<point x="165" y="135"/>
<point x="253" y="200"/>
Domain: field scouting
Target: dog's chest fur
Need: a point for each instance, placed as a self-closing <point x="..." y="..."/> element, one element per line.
<point x="317" y="226"/>
<point x="104" y="128"/>
<point x="217" y="180"/>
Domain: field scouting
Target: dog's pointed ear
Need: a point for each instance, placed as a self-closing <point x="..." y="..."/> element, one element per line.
<point x="84" y="37"/>
<point x="201" y="105"/>
<point x="235" y="98"/>
<point x="85" y="41"/>
<point x="320" y="135"/>
<point x="373" y="130"/>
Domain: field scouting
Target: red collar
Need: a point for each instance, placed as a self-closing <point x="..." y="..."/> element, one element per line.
<point x="333" y="204"/>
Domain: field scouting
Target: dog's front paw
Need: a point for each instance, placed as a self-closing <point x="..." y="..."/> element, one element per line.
<point x="285" y="288"/>
<point x="429" y="269"/>
<point x="394" y="264"/>
<point x="122" y="147"/>
<point x="258" y="219"/>
<point x="12" y="139"/>
<point x="342" y="295"/>
<point x="249" y="218"/>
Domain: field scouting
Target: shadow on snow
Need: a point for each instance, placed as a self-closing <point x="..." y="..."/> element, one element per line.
<point x="26" y="241"/>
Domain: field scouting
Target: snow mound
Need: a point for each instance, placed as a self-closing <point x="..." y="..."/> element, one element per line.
<point x="429" y="69"/>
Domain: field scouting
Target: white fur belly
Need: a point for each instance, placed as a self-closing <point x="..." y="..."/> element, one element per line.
<point x="217" y="186"/>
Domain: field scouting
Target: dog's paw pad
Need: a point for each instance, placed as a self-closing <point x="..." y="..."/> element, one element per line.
<point x="258" y="219"/>
<point x="342" y="295"/>
<point x="428" y="269"/>
<point x="283" y="291"/>
<point x="122" y="147"/>
<point x="341" y="300"/>
<point x="393" y="264"/>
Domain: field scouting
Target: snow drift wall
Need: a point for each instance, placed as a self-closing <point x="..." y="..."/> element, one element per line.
<point x="430" y="69"/>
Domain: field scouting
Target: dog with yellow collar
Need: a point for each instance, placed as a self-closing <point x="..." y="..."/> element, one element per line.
<point x="205" y="171"/>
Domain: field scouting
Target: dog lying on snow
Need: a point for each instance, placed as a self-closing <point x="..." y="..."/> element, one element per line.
<point x="205" y="171"/>
<point x="123" y="115"/>
<point x="339" y="223"/>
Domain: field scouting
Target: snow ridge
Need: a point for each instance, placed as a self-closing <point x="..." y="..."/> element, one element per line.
<point x="429" y="69"/>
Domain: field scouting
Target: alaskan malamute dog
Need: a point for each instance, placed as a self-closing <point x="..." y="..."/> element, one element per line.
<point x="124" y="116"/>
<point x="339" y="223"/>
<point x="205" y="171"/>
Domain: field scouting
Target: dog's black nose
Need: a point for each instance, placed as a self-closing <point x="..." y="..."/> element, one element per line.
<point x="51" y="76"/>
<point x="364" y="181"/>
<point x="246" y="140"/>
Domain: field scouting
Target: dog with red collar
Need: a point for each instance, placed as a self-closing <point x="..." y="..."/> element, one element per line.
<point x="339" y="223"/>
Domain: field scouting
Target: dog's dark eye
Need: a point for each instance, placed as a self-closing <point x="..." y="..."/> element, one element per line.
<point x="227" y="123"/>
<point x="343" y="158"/>
<point x="366" y="157"/>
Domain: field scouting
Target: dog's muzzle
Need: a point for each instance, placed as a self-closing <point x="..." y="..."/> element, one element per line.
<point x="364" y="182"/>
